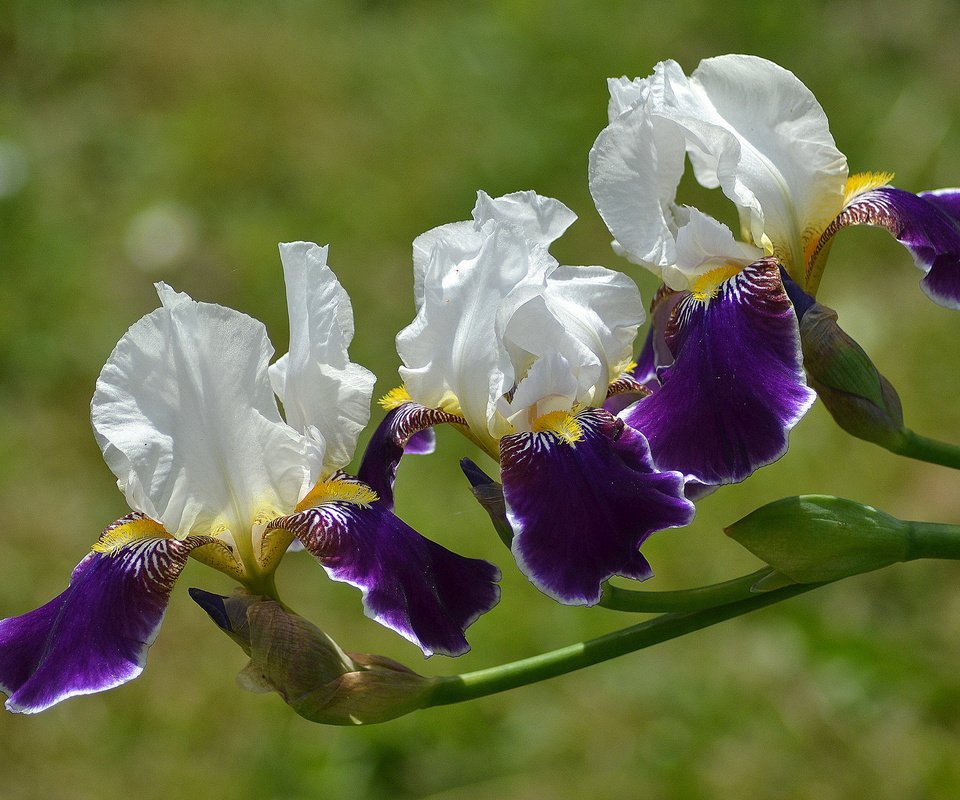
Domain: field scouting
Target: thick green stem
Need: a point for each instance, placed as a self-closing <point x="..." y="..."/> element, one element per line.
<point x="913" y="445"/>
<point x="682" y="600"/>
<point x="933" y="540"/>
<point x="457" y="688"/>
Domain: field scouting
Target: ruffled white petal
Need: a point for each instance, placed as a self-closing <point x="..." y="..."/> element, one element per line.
<point x="588" y="315"/>
<point x="704" y="244"/>
<point x="634" y="170"/>
<point x="451" y="351"/>
<point x="460" y="239"/>
<point x="550" y="385"/>
<point x="541" y="220"/>
<point x="186" y="419"/>
<point x="325" y="396"/>
<point x="756" y="131"/>
<point x="749" y="127"/>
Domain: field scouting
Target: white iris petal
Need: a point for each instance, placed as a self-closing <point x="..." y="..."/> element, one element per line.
<point x="749" y="127"/>
<point x="187" y="420"/>
<point x="324" y="395"/>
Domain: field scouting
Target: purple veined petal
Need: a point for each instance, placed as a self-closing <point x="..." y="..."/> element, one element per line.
<point x="947" y="200"/>
<point x="737" y="385"/>
<point x="406" y="429"/>
<point x="95" y="635"/>
<point x="581" y="510"/>
<point x="927" y="224"/>
<point x="422" y="443"/>
<point x="410" y="584"/>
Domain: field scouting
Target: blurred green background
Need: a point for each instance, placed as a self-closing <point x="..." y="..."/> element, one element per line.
<point x="142" y="141"/>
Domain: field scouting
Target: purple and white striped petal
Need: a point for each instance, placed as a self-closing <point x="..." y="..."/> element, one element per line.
<point x="581" y="509"/>
<point x="94" y="635"/>
<point x="410" y="584"/>
<point x="407" y="429"/>
<point x="928" y="224"/>
<point x="736" y="386"/>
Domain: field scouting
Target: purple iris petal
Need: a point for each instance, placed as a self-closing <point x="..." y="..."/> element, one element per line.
<point x="581" y="510"/>
<point x="737" y="385"/>
<point x="94" y="635"/>
<point x="928" y="224"/>
<point x="421" y="590"/>
<point x="406" y="429"/>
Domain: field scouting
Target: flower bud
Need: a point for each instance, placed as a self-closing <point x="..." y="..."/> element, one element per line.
<point x="314" y="676"/>
<point x="858" y="397"/>
<point x="816" y="538"/>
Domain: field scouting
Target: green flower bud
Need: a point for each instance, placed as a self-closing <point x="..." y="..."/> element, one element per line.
<point x="817" y="538"/>
<point x="860" y="399"/>
<point x="314" y="676"/>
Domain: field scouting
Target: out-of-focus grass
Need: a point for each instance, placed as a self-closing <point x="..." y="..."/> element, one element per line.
<point x="236" y="125"/>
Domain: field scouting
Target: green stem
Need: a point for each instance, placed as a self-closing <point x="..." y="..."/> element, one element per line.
<point x="702" y="597"/>
<point x="457" y="688"/>
<point x="913" y="445"/>
<point x="933" y="540"/>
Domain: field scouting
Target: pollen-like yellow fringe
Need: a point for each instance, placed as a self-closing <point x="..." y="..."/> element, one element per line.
<point x="394" y="398"/>
<point x="338" y="491"/>
<point x="120" y="535"/>
<point x="562" y="423"/>
<point x="707" y="285"/>
<point x="864" y="182"/>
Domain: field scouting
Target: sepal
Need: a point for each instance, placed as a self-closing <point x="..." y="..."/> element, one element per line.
<point x="489" y="495"/>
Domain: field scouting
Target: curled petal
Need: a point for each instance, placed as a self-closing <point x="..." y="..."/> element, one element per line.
<point x="634" y="170"/>
<point x="542" y="219"/>
<point x="325" y="396"/>
<point x="94" y="635"/>
<point x="188" y="423"/>
<point x="587" y="315"/>
<point x="410" y="584"/>
<point x="581" y="509"/>
<point x="752" y="128"/>
<point x="407" y="429"/>
<point x="452" y="349"/>
<point x="736" y="387"/>
<point x="927" y="224"/>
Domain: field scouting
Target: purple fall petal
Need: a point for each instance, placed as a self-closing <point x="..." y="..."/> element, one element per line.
<point x="581" y="511"/>
<point x="736" y="387"/>
<point x="406" y="429"/>
<point x="94" y="635"/>
<point x="410" y="584"/>
<point x="927" y="224"/>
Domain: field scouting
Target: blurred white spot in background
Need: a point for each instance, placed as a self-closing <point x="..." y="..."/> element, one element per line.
<point x="14" y="168"/>
<point x="161" y="236"/>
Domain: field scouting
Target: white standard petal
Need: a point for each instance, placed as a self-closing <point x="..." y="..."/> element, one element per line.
<point x="634" y="170"/>
<point x="541" y="219"/>
<point x="704" y="245"/>
<point x="451" y="352"/>
<point x="756" y="131"/>
<point x="590" y="316"/>
<point x="549" y="385"/>
<point x="186" y="419"/>
<point x="460" y="240"/>
<point x="625" y="94"/>
<point x="325" y="396"/>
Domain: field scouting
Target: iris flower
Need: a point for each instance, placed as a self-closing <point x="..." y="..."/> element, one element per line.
<point x="186" y="415"/>
<point x="520" y="353"/>
<point x="723" y="354"/>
